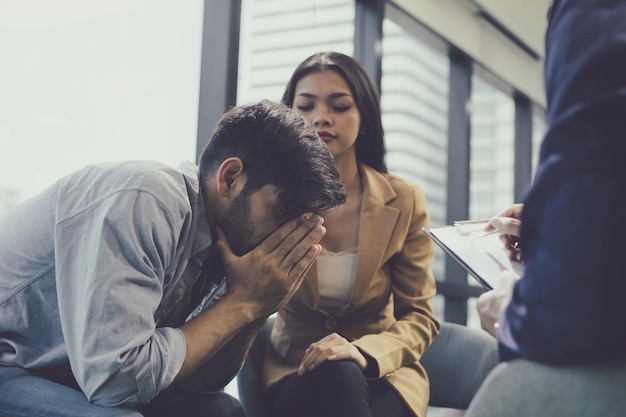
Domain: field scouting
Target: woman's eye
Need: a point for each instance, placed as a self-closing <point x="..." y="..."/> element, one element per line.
<point x="341" y="109"/>
<point x="304" y="107"/>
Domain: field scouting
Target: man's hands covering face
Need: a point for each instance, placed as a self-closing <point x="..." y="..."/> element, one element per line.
<point x="268" y="275"/>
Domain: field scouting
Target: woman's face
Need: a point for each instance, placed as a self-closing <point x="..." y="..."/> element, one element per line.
<point x="326" y="101"/>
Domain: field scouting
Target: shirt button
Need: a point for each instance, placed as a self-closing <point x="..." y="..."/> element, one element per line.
<point x="330" y="324"/>
<point x="180" y="291"/>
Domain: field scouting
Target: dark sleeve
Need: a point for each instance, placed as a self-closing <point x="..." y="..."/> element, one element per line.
<point x="568" y="307"/>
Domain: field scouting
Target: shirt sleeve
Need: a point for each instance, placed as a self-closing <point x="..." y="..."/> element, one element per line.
<point x="112" y="260"/>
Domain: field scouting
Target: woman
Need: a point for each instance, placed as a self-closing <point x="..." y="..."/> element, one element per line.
<point x="349" y="341"/>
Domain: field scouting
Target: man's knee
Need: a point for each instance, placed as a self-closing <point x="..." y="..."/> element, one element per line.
<point x="173" y="402"/>
<point x="23" y="393"/>
<point x="226" y="406"/>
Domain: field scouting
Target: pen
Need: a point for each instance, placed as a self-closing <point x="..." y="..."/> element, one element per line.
<point x="462" y="222"/>
<point x="467" y="227"/>
<point x="491" y="232"/>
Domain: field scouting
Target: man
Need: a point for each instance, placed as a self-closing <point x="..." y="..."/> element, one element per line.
<point x="109" y="297"/>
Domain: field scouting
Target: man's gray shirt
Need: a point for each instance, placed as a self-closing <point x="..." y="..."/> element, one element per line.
<point x="91" y="271"/>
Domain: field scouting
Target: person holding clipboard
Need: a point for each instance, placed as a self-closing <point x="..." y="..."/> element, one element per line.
<point x="568" y="307"/>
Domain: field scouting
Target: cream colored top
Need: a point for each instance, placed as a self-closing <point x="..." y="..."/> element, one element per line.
<point x="335" y="274"/>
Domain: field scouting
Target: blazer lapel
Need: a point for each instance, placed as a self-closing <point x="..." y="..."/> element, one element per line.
<point x="376" y="226"/>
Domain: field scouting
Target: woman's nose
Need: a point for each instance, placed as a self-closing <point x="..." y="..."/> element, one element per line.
<point x="322" y="117"/>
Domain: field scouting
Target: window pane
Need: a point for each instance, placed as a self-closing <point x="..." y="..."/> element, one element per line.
<point x="86" y="82"/>
<point x="491" y="160"/>
<point x="414" y="103"/>
<point x="539" y="130"/>
<point x="276" y="35"/>
<point x="491" y="150"/>
<point x="473" y="319"/>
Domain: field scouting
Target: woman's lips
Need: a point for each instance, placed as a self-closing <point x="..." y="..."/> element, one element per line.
<point x="326" y="136"/>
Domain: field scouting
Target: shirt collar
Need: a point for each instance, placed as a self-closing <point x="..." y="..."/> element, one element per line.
<point x="202" y="235"/>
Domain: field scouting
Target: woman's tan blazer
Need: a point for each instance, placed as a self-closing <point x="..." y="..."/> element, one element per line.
<point x="389" y="317"/>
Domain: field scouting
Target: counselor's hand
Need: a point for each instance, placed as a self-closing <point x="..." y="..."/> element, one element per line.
<point x="332" y="348"/>
<point x="508" y="223"/>
<point x="491" y="304"/>
<point x="268" y="275"/>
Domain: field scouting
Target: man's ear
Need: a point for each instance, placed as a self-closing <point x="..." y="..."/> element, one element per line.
<point x="230" y="177"/>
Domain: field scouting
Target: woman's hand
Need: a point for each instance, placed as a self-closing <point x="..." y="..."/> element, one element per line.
<point x="331" y="348"/>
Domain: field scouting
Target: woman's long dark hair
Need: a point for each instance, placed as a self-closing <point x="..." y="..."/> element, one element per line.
<point x="370" y="144"/>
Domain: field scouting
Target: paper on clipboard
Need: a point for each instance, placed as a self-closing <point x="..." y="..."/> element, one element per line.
<point x="482" y="255"/>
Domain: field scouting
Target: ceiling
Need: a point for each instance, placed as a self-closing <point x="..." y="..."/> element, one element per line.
<point x="526" y="19"/>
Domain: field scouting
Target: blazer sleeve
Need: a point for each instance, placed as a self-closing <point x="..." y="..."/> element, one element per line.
<point x="413" y="287"/>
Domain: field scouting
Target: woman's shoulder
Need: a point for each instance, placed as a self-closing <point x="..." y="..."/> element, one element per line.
<point x="398" y="184"/>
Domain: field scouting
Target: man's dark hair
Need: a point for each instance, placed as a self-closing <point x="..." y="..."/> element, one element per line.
<point x="277" y="147"/>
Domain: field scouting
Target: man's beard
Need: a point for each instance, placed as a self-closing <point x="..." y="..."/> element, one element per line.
<point x="236" y="224"/>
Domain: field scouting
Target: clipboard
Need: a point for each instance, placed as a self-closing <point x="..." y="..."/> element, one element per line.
<point x="481" y="254"/>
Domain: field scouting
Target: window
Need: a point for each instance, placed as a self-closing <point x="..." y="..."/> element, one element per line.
<point x="414" y="101"/>
<point x="276" y="35"/>
<point x="491" y="150"/>
<point x="538" y="132"/>
<point x="86" y="82"/>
